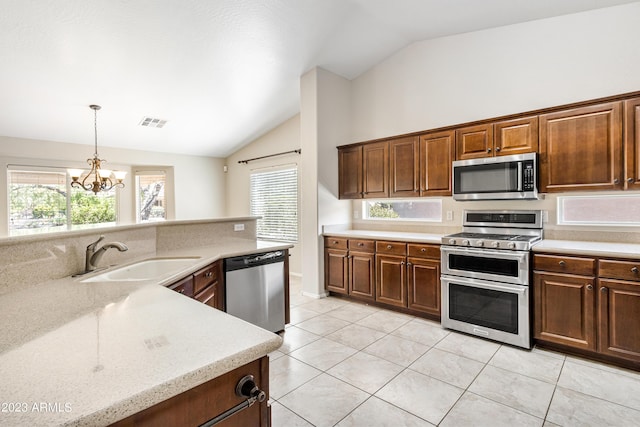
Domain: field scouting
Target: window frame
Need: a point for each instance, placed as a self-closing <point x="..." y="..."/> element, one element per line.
<point x="365" y="210"/>
<point x="594" y="223"/>
<point x="169" y="190"/>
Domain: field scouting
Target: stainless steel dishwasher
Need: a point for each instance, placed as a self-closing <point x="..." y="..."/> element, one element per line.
<point x="255" y="289"/>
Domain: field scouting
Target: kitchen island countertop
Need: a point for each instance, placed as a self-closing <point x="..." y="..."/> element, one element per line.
<point x="91" y="353"/>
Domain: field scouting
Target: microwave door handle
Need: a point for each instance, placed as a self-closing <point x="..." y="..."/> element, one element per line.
<point x="519" y="176"/>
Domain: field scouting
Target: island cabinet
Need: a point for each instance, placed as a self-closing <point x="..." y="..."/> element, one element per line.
<point x="632" y="144"/>
<point x="205" y="286"/>
<point x="581" y="149"/>
<point x="590" y="304"/>
<point x="502" y="138"/>
<point x="437" y="152"/>
<point x="203" y="403"/>
<point x="349" y="267"/>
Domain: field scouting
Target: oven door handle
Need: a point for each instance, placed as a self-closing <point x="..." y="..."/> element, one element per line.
<point x="487" y="253"/>
<point x="514" y="289"/>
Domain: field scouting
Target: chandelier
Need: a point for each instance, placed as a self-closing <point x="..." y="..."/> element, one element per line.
<point x="97" y="179"/>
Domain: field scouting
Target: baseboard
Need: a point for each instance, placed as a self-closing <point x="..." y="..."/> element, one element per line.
<point x="296" y="275"/>
<point x="316" y="296"/>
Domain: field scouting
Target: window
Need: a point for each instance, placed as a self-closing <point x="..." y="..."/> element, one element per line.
<point x="403" y="210"/>
<point x="41" y="200"/>
<point x="274" y="197"/>
<point x="606" y="210"/>
<point x="150" y="196"/>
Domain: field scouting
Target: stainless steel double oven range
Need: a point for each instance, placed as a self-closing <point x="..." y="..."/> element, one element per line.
<point x="485" y="275"/>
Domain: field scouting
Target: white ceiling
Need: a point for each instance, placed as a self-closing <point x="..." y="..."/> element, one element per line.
<point x="222" y="72"/>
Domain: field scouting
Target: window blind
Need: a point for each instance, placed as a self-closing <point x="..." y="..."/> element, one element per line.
<point x="274" y="197"/>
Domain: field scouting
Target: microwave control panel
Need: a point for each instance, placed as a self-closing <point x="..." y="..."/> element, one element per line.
<point x="528" y="176"/>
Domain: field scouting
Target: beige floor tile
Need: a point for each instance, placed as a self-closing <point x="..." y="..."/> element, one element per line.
<point x="538" y="365"/>
<point x="383" y="321"/>
<point x="300" y="314"/>
<point x="469" y="347"/>
<point x="572" y="409"/>
<point x="604" y="367"/>
<point x="283" y="417"/>
<point x="611" y="386"/>
<point x="476" y="411"/>
<point x="324" y="400"/>
<point x="294" y="338"/>
<point x="448" y="367"/>
<point x="323" y="353"/>
<point x="286" y="374"/>
<point x="274" y="355"/>
<point x="378" y="413"/>
<point x="367" y="372"/>
<point x="353" y="312"/>
<point x="423" y="396"/>
<point x="323" y="324"/>
<point x="324" y="305"/>
<point x="356" y="336"/>
<point x="514" y="390"/>
<point x="421" y="332"/>
<point x="397" y="350"/>
<point x="296" y="299"/>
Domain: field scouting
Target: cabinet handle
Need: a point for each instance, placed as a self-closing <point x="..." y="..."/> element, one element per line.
<point x="589" y="287"/>
<point x="488" y="150"/>
<point x="423" y="250"/>
<point x="409" y="264"/>
<point x="182" y="291"/>
<point x="360" y="244"/>
<point x="561" y="263"/>
<point x="208" y="274"/>
<point x="603" y="289"/>
<point x="402" y="263"/>
<point x="634" y="270"/>
<point x="335" y="242"/>
<point x="616" y="180"/>
<point x="497" y="148"/>
<point x="389" y="246"/>
<point x="629" y="180"/>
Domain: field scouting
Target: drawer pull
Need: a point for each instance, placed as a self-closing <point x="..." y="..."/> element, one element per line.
<point x="423" y="250"/>
<point x="603" y="289"/>
<point x="589" y="287"/>
<point x="562" y="263"/>
<point x="182" y="291"/>
<point x="208" y="274"/>
<point x="335" y="242"/>
<point x="634" y="270"/>
<point x="389" y="246"/>
<point x="360" y="244"/>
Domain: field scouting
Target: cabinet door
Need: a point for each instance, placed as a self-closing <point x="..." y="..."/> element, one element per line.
<point x="632" y="144"/>
<point x="350" y="172"/>
<point x="390" y="280"/>
<point x="209" y="296"/>
<point x="362" y="274"/>
<point x="375" y="168"/>
<point x="581" y="149"/>
<point x="618" y="314"/>
<point x="335" y="270"/>
<point x="516" y="136"/>
<point x="423" y="282"/>
<point x="437" y="152"/>
<point x="184" y="286"/>
<point x="404" y="167"/>
<point x="473" y="142"/>
<point x="564" y="310"/>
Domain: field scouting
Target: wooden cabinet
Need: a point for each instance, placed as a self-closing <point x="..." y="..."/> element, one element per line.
<point x="349" y="267"/>
<point x="375" y="170"/>
<point x="350" y="172"/>
<point x="581" y="149"/>
<point x="423" y="278"/>
<point x="336" y="265"/>
<point x="632" y="144"/>
<point x="205" y="286"/>
<point x="391" y="273"/>
<point x="202" y="403"/>
<point x="598" y="311"/>
<point x="184" y="286"/>
<point x="503" y="138"/>
<point x="437" y="152"/>
<point x="404" y="167"/>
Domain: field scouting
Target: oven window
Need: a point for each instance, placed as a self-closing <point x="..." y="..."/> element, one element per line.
<point x="502" y="267"/>
<point x="484" y="307"/>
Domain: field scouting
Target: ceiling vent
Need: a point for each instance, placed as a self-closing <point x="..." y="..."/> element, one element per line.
<point x="150" y="122"/>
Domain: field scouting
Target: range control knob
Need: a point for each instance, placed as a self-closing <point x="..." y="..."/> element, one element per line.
<point x="479" y="242"/>
<point x="511" y="245"/>
<point x="495" y="244"/>
<point x="465" y="242"/>
<point x="452" y="241"/>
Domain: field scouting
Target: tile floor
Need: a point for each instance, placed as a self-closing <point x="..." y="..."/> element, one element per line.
<point x="349" y="364"/>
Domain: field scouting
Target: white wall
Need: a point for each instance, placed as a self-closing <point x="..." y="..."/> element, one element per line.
<point x="199" y="181"/>
<point x="285" y="137"/>
<point x="499" y="71"/>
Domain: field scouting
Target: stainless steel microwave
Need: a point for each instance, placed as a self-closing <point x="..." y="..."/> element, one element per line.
<point x="496" y="178"/>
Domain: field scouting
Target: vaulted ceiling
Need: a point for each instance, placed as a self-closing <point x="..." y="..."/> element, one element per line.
<point x="221" y="72"/>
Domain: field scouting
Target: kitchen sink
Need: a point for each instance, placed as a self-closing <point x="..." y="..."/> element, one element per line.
<point x="149" y="269"/>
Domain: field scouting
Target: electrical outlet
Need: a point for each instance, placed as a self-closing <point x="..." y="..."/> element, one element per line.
<point x="238" y="227"/>
<point x="449" y="215"/>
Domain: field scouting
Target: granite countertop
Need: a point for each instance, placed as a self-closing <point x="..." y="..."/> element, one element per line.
<point x="388" y="235"/>
<point x="602" y="249"/>
<point x="91" y="353"/>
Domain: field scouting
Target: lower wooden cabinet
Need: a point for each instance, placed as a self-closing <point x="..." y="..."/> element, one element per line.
<point x="423" y="285"/>
<point x="596" y="313"/>
<point x="206" y="286"/>
<point x="362" y="274"/>
<point x="390" y="283"/>
<point x="336" y="270"/>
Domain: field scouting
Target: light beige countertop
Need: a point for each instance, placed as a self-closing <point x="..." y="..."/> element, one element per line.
<point x="602" y="249"/>
<point x="387" y="235"/>
<point x="91" y="353"/>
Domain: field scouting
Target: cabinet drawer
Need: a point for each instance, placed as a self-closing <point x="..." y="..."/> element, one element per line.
<point x="394" y="248"/>
<point x="564" y="264"/>
<point x="423" y="250"/>
<point x="184" y="286"/>
<point x="624" y="270"/>
<point x="208" y="296"/>
<point x="205" y="277"/>
<point x="362" y="245"/>
<point x="335" y="243"/>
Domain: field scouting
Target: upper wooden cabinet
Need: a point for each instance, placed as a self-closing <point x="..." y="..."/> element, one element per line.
<point x="581" y="149"/>
<point x="632" y="144"/>
<point x="375" y="170"/>
<point x="404" y="170"/>
<point x="350" y="172"/>
<point x="502" y="138"/>
<point x="437" y="152"/>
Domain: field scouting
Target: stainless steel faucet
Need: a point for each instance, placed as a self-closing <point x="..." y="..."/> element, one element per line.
<point x="93" y="256"/>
